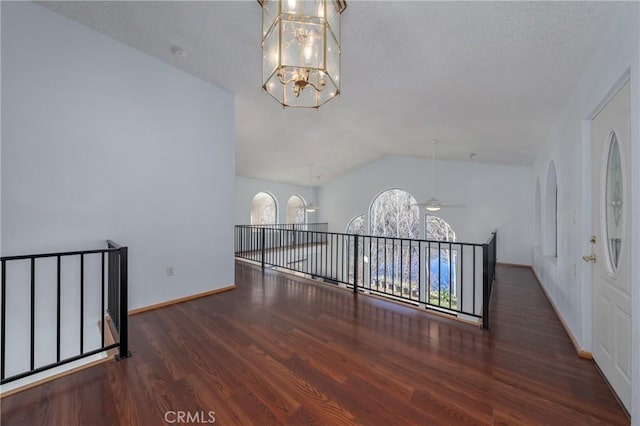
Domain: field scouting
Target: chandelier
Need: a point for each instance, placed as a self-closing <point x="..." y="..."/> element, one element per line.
<point x="301" y="51"/>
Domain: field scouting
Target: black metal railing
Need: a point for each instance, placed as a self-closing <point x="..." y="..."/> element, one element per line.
<point x="316" y="227"/>
<point x="450" y="277"/>
<point x="261" y="237"/>
<point x="118" y="293"/>
<point x="488" y="274"/>
<point x="42" y="289"/>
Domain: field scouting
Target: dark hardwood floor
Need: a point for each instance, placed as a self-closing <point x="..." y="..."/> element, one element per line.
<point x="280" y="350"/>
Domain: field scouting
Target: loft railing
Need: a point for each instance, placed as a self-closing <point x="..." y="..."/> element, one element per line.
<point x="450" y="277"/>
<point x="317" y="227"/>
<point x="488" y="273"/>
<point x="49" y="303"/>
<point x="289" y="235"/>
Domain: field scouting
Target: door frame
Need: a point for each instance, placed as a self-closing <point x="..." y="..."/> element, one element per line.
<point x="586" y="228"/>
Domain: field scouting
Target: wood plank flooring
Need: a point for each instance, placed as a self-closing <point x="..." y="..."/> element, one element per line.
<point x="282" y="350"/>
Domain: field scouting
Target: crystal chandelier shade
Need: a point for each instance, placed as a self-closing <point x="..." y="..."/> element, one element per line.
<point x="301" y="51"/>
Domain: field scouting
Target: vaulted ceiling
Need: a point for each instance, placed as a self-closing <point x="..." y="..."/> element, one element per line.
<point x="488" y="78"/>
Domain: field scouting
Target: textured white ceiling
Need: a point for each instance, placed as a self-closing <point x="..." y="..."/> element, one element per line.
<point x="482" y="77"/>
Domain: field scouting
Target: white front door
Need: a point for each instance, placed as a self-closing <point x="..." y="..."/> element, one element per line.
<point x="611" y="208"/>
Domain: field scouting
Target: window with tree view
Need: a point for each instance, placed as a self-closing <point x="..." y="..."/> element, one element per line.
<point x="394" y="266"/>
<point x="442" y="261"/>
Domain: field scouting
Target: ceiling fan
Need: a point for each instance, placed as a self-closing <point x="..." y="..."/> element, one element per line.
<point x="433" y="204"/>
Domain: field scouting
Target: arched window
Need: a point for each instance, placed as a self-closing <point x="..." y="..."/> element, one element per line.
<point x="394" y="213"/>
<point x="295" y="210"/>
<point x="264" y="210"/>
<point x="538" y="215"/>
<point x="357" y="225"/>
<point x="551" y="212"/>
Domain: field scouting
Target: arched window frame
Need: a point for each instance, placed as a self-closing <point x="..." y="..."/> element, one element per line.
<point x="412" y="228"/>
<point x="296" y="213"/>
<point x="259" y="213"/>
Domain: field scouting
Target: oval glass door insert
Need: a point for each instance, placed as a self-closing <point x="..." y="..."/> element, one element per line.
<point x="614" y="204"/>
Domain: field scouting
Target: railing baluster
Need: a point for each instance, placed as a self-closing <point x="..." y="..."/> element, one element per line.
<point x="401" y="267"/>
<point x="355" y="264"/>
<point x="81" y="304"/>
<point x="393" y="265"/>
<point x="378" y="263"/>
<point x="451" y="273"/>
<point x="326" y="256"/>
<point x="33" y="312"/>
<point x="461" y="283"/>
<point x="370" y="263"/>
<point x="419" y="271"/>
<point x="439" y="274"/>
<point x="124" y="303"/>
<point x="4" y="318"/>
<point x="262" y="232"/>
<point x="485" y="286"/>
<point x="58" y="310"/>
<point x="385" y="265"/>
<point x="474" y="279"/>
<point x="102" y="313"/>
<point x="280" y="249"/>
<point x="337" y="246"/>
<point x="428" y="286"/>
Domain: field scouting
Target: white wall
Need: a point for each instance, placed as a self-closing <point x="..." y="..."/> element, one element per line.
<point x="101" y="141"/>
<point x="491" y="197"/>
<point x="567" y="279"/>
<point x="247" y="188"/>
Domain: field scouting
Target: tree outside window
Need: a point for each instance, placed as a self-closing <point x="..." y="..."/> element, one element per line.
<point x="395" y="268"/>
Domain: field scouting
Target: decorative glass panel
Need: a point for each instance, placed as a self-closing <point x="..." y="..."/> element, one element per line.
<point x="614" y="203"/>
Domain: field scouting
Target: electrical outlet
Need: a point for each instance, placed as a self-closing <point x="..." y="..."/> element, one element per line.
<point x="169" y="271"/>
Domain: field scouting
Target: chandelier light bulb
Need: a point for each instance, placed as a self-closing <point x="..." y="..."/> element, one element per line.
<point x="308" y="48"/>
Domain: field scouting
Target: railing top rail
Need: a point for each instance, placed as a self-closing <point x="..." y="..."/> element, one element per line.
<point x="276" y="225"/>
<point x="379" y="237"/>
<point x="112" y="247"/>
